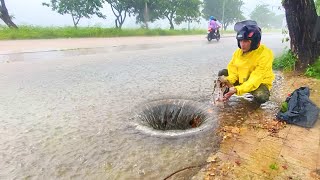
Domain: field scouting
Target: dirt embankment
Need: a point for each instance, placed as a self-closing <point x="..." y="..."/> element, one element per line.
<point x="258" y="127"/>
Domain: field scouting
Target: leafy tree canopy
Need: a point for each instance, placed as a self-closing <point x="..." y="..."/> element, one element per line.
<point x="145" y="11"/>
<point x="77" y="8"/>
<point x="179" y="11"/>
<point x="226" y="11"/>
<point x="264" y="17"/>
<point x="120" y="8"/>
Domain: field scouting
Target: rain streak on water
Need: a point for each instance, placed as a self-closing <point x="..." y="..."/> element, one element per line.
<point x="70" y="116"/>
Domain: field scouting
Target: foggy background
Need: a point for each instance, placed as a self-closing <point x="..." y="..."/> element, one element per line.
<point x="32" y="12"/>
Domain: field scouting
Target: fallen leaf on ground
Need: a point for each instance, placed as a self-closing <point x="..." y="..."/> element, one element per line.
<point x="235" y="130"/>
<point x="212" y="158"/>
<point x="238" y="162"/>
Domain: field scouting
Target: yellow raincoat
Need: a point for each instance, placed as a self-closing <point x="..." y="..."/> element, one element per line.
<point x="251" y="69"/>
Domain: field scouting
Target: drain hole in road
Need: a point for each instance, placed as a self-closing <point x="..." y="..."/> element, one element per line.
<point x="172" y="116"/>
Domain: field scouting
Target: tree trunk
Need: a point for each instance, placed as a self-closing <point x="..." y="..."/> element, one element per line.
<point x="116" y="22"/>
<point x="170" y="18"/>
<point x="225" y="25"/>
<point x="5" y="16"/>
<point x="301" y="19"/>
<point x="120" y="25"/>
<point x="146" y="15"/>
<point x="171" y="24"/>
<point x="119" y="22"/>
<point x="122" y="18"/>
<point x="75" y="20"/>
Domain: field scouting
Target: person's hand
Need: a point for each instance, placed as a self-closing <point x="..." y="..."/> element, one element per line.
<point x="224" y="80"/>
<point x="232" y="91"/>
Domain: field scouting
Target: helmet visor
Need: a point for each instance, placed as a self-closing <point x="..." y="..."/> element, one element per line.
<point x="239" y="25"/>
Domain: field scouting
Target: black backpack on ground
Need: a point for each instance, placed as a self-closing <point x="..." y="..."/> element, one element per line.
<point x="300" y="109"/>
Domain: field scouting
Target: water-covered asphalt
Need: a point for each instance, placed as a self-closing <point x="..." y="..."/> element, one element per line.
<point x="68" y="114"/>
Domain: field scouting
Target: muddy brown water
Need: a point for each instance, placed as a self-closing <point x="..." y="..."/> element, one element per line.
<point x="68" y="114"/>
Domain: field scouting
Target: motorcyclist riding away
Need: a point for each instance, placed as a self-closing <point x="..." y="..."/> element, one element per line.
<point x="219" y="25"/>
<point x="213" y="24"/>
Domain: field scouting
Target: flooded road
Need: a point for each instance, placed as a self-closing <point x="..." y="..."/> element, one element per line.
<point x="68" y="114"/>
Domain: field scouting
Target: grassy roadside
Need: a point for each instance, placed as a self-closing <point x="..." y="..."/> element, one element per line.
<point x="35" y="32"/>
<point x="286" y="62"/>
<point x="38" y="32"/>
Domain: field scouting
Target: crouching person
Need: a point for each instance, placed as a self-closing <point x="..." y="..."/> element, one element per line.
<point x="250" y="69"/>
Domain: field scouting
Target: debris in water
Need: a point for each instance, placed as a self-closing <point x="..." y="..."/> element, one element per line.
<point x="219" y="89"/>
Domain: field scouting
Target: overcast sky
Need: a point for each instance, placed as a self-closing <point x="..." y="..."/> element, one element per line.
<point x="36" y="14"/>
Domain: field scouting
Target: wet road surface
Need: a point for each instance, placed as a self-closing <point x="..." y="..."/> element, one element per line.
<point x="68" y="114"/>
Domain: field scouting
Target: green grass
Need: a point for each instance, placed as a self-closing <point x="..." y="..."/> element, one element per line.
<point x="227" y="31"/>
<point x="267" y="30"/>
<point x="35" y="32"/>
<point x="314" y="70"/>
<point x="285" y="62"/>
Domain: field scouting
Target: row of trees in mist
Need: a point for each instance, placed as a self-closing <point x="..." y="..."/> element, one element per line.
<point x="175" y="11"/>
<point x="148" y="11"/>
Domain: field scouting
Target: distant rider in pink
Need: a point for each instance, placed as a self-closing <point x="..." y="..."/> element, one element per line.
<point x="213" y="24"/>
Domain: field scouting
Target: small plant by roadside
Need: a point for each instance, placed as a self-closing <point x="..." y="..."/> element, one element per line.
<point x="285" y="62"/>
<point x="314" y="70"/>
<point x="274" y="166"/>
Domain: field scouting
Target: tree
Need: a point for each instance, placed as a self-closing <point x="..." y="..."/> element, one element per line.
<point x="168" y="9"/>
<point x="263" y="16"/>
<point x="301" y="18"/>
<point x="178" y="10"/>
<point x="226" y="11"/>
<point x="190" y="13"/>
<point x="76" y="8"/>
<point x="120" y="8"/>
<point x="145" y="11"/>
<point x="4" y="15"/>
<point x="318" y="6"/>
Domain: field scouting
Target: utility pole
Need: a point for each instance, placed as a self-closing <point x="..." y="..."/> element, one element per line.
<point x="146" y="18"/>
<point x="223" y="7"/>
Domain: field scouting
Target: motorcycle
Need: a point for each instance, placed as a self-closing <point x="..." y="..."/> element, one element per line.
<point x="213" y="35"/>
